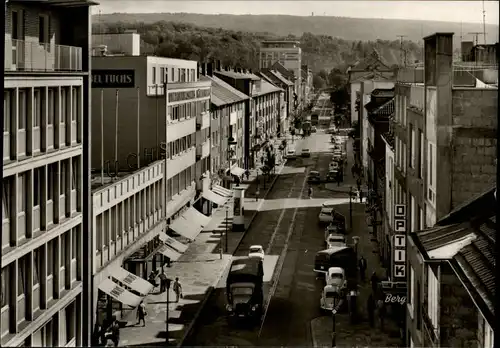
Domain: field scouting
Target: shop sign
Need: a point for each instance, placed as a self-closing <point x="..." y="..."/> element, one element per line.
<point x="399" y="243"/>
<point x="113" y="78"/>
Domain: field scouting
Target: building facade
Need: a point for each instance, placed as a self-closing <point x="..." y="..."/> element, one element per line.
<point x="288" y="54"/>
<point x="45" y="245"/>
<point x="128" y="44"/>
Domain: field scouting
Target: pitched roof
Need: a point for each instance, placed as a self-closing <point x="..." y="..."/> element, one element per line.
<point x="237" y="76"/>
<point x="265" y="87"/>
<point x="371" y="75"/>
<point x="466" y="238"/>
<point x="265" y="77"/>
<point x="223" y="93"/>
<point x="372" y="62"/>
<point x="284" y="71"/>
<point x="282" y="78"/>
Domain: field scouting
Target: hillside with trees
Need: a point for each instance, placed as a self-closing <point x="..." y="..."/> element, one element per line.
<point x="240" y="48"/>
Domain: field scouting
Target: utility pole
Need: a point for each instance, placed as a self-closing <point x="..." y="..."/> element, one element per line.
<point x="484" y="24"/>
<point x="403" y="62"/>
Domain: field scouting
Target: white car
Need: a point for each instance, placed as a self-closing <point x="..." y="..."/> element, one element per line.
<point x="336" y="277"/>
<point x="256" y="251"/>
<point x="306" y="153"/>
<point x="325" y="215"/>
<point x="290" y="154"/>
<point x="335" y="240"/>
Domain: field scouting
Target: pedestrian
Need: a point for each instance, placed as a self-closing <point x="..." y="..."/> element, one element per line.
<point x="163" y="283"/>
<point x="247" y="174"/>
<point x="374" y="281"/>
<point x="141" y="314"/>
<point x="371" y="310"/>
<point x="115" y="331"/>
<point x="362" y="268"/>
<point x="361" y="196"/>
<point x="381" y="313"/>
<point x="177" y="289"/>
<point x="310" y="192"/>
<point x="96" y="334"/>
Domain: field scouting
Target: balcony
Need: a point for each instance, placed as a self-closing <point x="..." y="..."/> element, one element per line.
<point x="203" y="120"/>
<point x="178" y="163"/>
<point x="203" y="150"/>
<point x="40" y="57"/>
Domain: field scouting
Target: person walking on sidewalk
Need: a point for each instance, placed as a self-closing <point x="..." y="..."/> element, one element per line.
<point x="141" y="314"/>
<point x="177" y="289"/>
<point x="310" y="192"/>
<point x="247" y="174"/>
<point x="362" y="268"/>
<point x="374" y="280"/>
<point x="371" y="310"/>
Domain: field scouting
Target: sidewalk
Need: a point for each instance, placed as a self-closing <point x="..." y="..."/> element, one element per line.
<point x="199" y="270"/>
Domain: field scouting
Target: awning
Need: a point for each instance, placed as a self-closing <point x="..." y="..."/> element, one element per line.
<point x="237" y="171"/>
<point x="131" y="280"/>
<point x="193" y="216"/>
<point x="186" y="229"/>
<point x="172" y="254"/>
<point x="214" y="197"/>
<point x="171" y="242"/>
<point x="118" y="293"/>
<point x="224" y="192"/>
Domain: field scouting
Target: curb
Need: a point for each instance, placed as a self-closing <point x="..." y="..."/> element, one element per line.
<point x="211" y="289"/>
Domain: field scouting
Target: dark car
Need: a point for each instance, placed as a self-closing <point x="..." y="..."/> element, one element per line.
<point x="331" y="176"/>
<point x="313" y="177"/>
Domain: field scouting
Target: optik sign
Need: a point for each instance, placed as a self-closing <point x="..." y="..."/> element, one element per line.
<point x="113" y="78"/>
<point x="399" y="243"/>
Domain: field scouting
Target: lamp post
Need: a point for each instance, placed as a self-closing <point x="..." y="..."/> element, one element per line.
<point x="167" y="282"/>
<point x="226" y="229"/>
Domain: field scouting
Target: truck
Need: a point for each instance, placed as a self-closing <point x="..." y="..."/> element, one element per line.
<point x="244" y="290"/>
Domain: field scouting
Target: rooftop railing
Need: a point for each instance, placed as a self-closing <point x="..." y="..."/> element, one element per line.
<point x="23" y="55"/>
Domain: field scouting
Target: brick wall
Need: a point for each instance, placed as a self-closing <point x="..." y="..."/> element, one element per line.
<point x="474" y="143"/>
<point x="459" y="316"/>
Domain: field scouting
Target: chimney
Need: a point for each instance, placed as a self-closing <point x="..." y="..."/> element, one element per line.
<point x="204" y="68"/>
<point x="210" y="69"/>
<point x="217" y="65"/>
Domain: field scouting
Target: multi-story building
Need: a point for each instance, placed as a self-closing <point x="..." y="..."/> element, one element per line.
<point x="228" y="113"/>
<point x="307" y="81"/>
<point x="288" y="54"/>
<point x="146" y="109"/>
<point x="290" y="76"/>
<point x="45" y="246"/>
<point x="127" y="43"/>
<point x="371" y="68"/>
<point x="451" y="280"/>
<point x="275" y="77"/>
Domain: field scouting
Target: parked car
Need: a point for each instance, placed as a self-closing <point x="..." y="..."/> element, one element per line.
<point x="313" y="177"/>
<point x="335" y="240"/>
<point x="333" y="166"/>
<point x="306" y="153"/>
<point x="331" y="176"/>
<point x="290" y="154"/>
<point x="313" y="129"/>
<point x="325" y="215"/>
<point x="256" y="251"/>
<point x="336" y="278"/>
<point x="330" y="297"/>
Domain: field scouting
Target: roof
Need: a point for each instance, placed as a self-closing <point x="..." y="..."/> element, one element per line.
<point x="265" y="77"/>
<point x="372" y="62"/>
<point x="223" y="93"/>
<point x="237" y="76"/>
<point x="247" y="265"/>
<point x="265" y="88"/>
<point x="284" y="71"/>
<point x="282" y="78"/>
<point x="466" y="238"/>
<point x="383" y="92"/>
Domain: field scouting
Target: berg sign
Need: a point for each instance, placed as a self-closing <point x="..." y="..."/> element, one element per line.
<point x="399" y="243"/>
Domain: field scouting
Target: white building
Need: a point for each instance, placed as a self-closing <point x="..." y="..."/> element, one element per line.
<point x="45" y="208"/>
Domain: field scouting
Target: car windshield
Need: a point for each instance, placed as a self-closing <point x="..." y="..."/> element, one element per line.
<point x="336" y="276"/>
<point x="331" y="295"/>
<point x="255" y="250"/>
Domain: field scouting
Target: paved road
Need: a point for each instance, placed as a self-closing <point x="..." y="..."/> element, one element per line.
<point x="287" y="227"/>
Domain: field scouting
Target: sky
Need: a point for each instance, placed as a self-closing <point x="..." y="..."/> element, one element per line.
<point x="452" y="11"/>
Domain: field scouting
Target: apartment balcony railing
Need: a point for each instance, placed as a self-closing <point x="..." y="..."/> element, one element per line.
<point x="34" y="56"/>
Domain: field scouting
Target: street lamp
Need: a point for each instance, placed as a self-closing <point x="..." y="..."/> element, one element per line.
<point x="167" y="282"/>
<point x="226" y="228"/>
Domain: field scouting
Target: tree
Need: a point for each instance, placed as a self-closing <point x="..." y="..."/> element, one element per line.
<point x="318" y="82"/>
<point x="340" y="97"/>
<point x="337" y="78"/>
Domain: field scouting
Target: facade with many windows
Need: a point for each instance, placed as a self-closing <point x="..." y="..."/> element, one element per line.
<point x="45" y="208"/>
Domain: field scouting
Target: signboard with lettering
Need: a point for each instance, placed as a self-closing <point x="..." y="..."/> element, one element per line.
<point x="113" y="78"/>
<point x="399" y="243"/>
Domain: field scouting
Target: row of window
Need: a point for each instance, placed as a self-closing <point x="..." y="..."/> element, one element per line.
<point x="188" y="110"/>
<point x="174" y="75"/>
<point x="226" y="110"/>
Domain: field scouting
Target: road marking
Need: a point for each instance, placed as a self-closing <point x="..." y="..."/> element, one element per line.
<point x="281" y="260"/>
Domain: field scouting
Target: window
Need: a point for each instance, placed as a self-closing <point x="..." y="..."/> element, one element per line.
<point x="51" y="177"/>
<point x="99" y="242"/>
<point x="418" y="302"/>
<point x="43" y="29"/>
<point x="162" y="75"/>
<point x="74" y="243"/>
<point x="37" y="186"/>
<point x="413" y="214"/>
<point x="7" y="110"/>
<point x="432" y="305"/>
<point x="153" y="75"/>
<point x="63" y="249"/>
<point x="421" y="218"/>
<point x="412" y="147"/>
<point x="23" y="110"/>
<point x="431" y="172"/>
<point x="6" y="187"/>
<point x="37" y="270"/>
<point x="64" y="108"/>
<point x="70" y="321"/>
<point x="22" y="191"/>
<point x="74" y="173"/>
<point x="420" y="155"/>
<point x="75" y="103"/>
<point x="5" y="288"/>
<point x="51" y="99"/>
<point x="62" y="178"/>
<point x="37" y="106"/>
<point x="22" y="283"/>
<point x="411" y="282"/>
<point x="51" y="257"/>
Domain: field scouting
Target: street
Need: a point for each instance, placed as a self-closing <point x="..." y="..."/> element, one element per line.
<point x="287" y="227"/>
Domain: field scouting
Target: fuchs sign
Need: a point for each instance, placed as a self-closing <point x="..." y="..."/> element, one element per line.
<point x="113" y="78"/>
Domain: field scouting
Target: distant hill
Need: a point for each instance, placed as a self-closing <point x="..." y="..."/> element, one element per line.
<point x="341" y="27"/>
